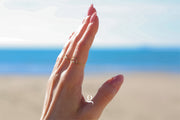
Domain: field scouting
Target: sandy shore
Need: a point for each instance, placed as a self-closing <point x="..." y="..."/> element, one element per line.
<point x="143" y="96"/>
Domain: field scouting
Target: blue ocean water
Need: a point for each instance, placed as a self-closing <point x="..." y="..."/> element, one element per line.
<point x="41" y="61"/>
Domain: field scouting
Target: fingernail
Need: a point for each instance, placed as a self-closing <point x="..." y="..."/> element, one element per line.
<point x="91" y="10"/>
<point x="92" y="5"/>
<point x="117" y="80"/>
<point x="93" y="18"/>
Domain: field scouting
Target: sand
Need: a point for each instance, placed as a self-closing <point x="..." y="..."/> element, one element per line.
<point x="143" y="96"/>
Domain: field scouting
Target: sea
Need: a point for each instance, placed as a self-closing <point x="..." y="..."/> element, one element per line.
<point x="104" y="60"/>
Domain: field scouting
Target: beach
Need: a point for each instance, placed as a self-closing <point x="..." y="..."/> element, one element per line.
<point x="143" y="96"/>
<point x="138" y="39"/>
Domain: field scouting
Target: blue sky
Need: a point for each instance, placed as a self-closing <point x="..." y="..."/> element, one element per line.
<point x="123" y="23"/>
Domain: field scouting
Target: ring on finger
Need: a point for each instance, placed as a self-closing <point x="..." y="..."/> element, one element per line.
<point x="74" y="60"/>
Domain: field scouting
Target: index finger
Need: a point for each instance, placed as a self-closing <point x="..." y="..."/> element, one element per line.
<point x="80" y="55"/>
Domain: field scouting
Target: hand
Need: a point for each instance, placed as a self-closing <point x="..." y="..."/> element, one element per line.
<point x="64" y="99"/>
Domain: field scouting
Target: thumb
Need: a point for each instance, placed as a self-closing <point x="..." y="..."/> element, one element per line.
<point x="106" y="93"/>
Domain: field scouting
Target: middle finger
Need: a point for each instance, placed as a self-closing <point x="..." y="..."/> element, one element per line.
<point x="77" y="36"/>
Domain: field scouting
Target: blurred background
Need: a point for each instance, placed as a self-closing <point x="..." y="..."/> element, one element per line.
<point x="140" y="39"/>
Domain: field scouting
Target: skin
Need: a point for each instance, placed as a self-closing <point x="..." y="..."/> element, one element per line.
<point x="64" y="99"/>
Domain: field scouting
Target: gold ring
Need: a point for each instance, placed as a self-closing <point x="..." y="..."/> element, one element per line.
<point x="74" y="60"/>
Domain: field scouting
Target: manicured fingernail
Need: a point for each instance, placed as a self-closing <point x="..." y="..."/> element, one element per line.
<point x="91" y="10"/>
<point x="117" y="80"/>
<point x="91" y="6"/>
<point x="93" y="18"/>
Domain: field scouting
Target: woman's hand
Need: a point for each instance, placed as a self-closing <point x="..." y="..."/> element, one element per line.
<point x="64" y="99"/>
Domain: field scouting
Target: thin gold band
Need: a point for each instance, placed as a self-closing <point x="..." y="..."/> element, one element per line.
<point x="73" y="60"/>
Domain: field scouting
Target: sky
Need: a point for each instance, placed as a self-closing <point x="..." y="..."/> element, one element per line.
<point x="123" y="23"/>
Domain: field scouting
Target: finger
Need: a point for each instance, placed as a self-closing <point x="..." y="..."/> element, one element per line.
<point x="73" y="43"/>
<point x="81" y="31"/>
<point x="71" y="35"/>
<point x="77" y="37"/>
<point x="53" y="79"/>
<point x="76" y="67"/>
<point x="62" y="54"/>
<point x="91" y="10"/>
<point x="82" y="49"/>
<point x="106" y="93"/>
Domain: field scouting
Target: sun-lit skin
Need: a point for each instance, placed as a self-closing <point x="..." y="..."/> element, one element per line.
<point x="64" y="99"/>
